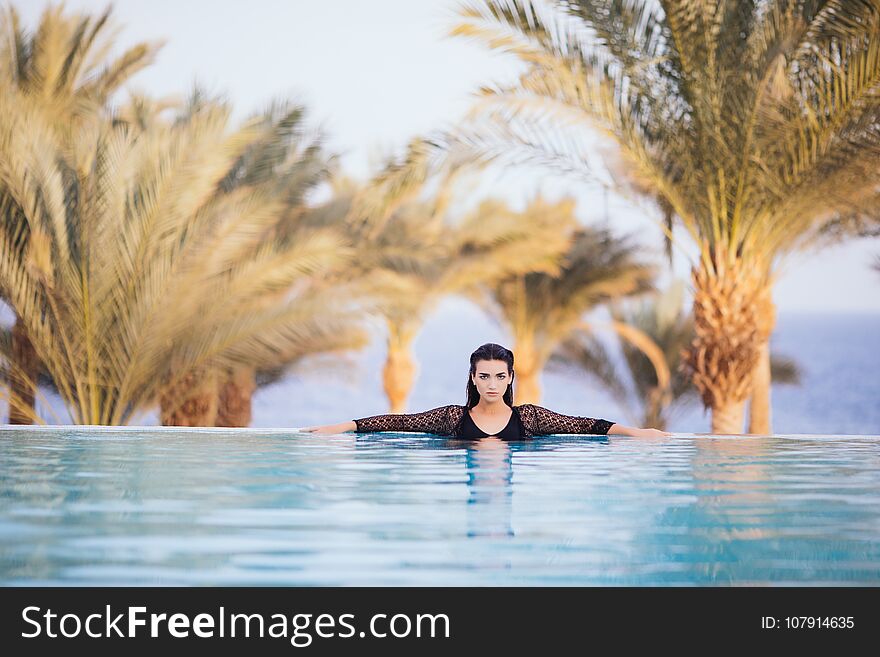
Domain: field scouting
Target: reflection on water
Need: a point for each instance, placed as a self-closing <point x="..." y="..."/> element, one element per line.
<point x="146" y="507"/>
<point x="489" y="476"/>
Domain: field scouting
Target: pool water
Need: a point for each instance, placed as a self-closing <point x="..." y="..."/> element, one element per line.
<point x="170" y="506"/>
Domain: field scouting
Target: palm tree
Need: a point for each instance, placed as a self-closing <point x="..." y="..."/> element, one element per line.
<point x="287" y="163"/>
<point x="136" y="274"/>
<point x="540" y="310"/>
<point x="64" y="65"/>
<point x="490" y="244"/>
<point x="408" y="236"/>
<point x="756" y="122"/>
<point x="645" y="401"/>
<point x="636" y="387"/>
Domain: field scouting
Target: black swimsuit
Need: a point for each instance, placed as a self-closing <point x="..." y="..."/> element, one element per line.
<point x="511" y="430"/>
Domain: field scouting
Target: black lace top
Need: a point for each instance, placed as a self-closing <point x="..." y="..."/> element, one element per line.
<point x="448" y="420"/>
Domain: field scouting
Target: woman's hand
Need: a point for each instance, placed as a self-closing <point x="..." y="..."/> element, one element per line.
<point x="327" y="428"/>
<point x="636" y="431"/>
<point x="342" y="427"/>
<point x="650" y="433"/>
<point x="321" y="429"/>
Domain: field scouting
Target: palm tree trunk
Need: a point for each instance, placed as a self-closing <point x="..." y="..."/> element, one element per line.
<point x="759" y="405"/>
<point x="399" y="372"/>
<point x="23" y="381"/>
<point x="728" y="418"/>
<point x="725" y="349"/>
<point x="236" y="388"/>
<point x="527" y="369"/>
<point x="192" y="402"/>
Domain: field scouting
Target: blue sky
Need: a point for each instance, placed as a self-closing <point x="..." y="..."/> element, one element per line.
<point x="375" y="74"/>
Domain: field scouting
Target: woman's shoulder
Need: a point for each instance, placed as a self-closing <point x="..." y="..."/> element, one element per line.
<point x="454" y="414"/>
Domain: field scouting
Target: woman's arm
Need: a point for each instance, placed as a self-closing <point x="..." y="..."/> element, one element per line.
<point x="438" y="420"/>
<point x="542" y="421"/>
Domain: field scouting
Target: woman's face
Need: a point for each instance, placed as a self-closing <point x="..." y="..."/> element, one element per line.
<point x="491" y="379"/>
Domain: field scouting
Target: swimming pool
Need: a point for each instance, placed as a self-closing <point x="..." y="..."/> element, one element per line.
<point x="170" y="506"/>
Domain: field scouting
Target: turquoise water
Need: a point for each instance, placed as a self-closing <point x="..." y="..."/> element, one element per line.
<point x="170" y="506"/>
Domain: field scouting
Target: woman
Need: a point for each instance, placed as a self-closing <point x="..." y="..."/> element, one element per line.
<point x="489" y="410"/>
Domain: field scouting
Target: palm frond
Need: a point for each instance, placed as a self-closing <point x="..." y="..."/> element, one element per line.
<point x="752" y="122"/>
<point x="138" y="268"/>
<point x="582" y="354"/>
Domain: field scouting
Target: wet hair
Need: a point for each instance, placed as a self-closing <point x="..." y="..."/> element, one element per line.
<point x="489" y="351"/>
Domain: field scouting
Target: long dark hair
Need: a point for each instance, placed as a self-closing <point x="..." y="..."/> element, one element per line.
<point x="490" y="351"/>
